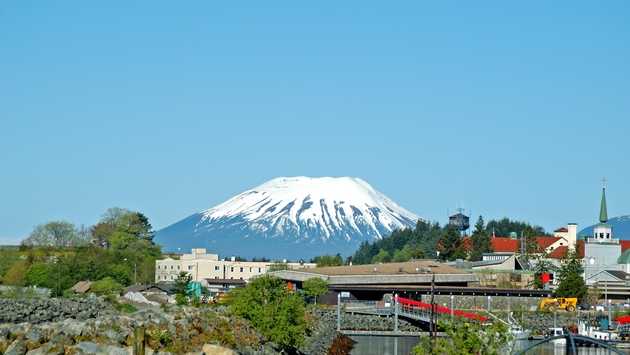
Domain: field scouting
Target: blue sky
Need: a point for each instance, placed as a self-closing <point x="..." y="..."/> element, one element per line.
<point x="508" y="109"/>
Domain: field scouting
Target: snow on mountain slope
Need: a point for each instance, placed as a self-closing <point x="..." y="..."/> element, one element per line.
<point x="326" y="215"/>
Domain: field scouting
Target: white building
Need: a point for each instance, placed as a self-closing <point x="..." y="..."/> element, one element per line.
<point x="202" y="266"/>
<point x="602" y="250"/>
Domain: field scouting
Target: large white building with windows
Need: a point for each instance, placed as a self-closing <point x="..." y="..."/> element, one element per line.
<point x="203" y="266"/>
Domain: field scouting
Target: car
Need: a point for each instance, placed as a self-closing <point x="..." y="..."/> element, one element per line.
<point x="599" y="308"/>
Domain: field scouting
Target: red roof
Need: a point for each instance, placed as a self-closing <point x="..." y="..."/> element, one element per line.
<point x="512" y="245"/>
<point x="503" y="244"/>
<point x="625" y="245"/>
<point x="559" y="252"/>
<point x="545" y="242"/>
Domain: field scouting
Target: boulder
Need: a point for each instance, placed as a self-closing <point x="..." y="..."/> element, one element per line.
<point x="211" y="349"/>
<point x="47" y="349"/>
<point x="34" y="335"/>
<point x="17" y="347"/>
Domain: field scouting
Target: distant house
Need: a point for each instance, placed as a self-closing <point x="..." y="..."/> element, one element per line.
<point x="81" y="287"/>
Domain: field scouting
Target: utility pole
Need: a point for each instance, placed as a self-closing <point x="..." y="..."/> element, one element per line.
<point x="432" y="320"/>
<point x="338" y="311"/>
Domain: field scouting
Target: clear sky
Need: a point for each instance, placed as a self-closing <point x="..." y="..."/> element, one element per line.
<point x="505" y="108"/>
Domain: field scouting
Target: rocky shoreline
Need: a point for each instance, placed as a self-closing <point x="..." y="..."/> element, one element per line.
<point x="92" y="326"/>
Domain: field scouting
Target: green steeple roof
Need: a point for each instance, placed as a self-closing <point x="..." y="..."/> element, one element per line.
<point x="603" y="211"/>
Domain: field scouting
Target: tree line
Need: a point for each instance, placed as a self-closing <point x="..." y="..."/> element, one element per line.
<point x="430" y="240"/>
<point x="118" y="250"/>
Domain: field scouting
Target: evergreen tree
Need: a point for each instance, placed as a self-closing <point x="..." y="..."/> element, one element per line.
<point x="382" y="257"/>
<point x="451" y="244"/>
<point x="570" y="276"/>
<point x="480" y="241"/>
<point x="542" y="267"/>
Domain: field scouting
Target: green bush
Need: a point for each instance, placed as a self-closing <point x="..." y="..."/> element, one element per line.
<point x="125" y="307"/>
<point x="181" y="299"/>
<point x="274" y="310"/>
<point x="106" y="286"/>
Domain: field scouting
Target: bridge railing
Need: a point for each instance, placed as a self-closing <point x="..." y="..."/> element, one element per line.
<point x="440" y="310"/>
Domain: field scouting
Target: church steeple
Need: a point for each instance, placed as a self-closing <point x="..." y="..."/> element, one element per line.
<point x="603" y="210"/>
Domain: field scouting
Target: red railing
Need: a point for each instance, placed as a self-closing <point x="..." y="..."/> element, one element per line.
<point x="440" y="309"/>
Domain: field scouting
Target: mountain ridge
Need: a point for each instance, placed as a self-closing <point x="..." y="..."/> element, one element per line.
<point x="291" y="217"/>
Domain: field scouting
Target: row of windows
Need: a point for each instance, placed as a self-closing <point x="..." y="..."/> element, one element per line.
<point x="216" y="268"/>
<point x="165" y="267"/>
<point x="172" y="277"/>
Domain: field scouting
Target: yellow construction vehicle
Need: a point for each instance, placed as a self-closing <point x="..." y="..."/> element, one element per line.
<point x="551" y="304"/>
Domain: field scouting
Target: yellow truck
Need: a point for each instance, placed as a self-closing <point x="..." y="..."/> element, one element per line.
<point x="569" y="304"/>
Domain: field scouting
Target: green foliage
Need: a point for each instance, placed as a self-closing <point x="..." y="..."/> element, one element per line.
<point x="106" y="286"/>
<point x="181" y="299"/>
<point x="415" y="243"/>
<point x="126" y="308"/>
<point x="57" y="234"/>
<point x="315" y="287"/>
<point x="16" y="274"/>
<point x="480" y="240"/>
<point x="382" y="257"/>
<point x="40" y="274"/>
<point x="328" y="260"/>
<point x="505" y="226"/>
<point x="181" y="283"/>
<point x="570" y="276"/>
<point x="8" y="257"/>
<point x="542" y="266"/>
<point x="451" y="244"/>
<point x="273" y="310"/>
<point x="464" y="338"/>
<point x="57" y="256"/>
<point x="404" y="254"/>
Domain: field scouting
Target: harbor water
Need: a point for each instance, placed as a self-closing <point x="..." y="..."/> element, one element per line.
<point x="389" y="345"/>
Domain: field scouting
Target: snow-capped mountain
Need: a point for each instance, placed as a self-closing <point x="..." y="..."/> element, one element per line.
<point x="292" y="218"/>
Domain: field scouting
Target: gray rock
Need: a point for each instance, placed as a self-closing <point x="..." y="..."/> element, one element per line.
<point x="115" y="336"/>
<point x="47" y="349"/>
<point x="86" y="347"/>
<point x="18" y="347"/>
<point x="34" y="335"/>
<point x="73" y="328"/>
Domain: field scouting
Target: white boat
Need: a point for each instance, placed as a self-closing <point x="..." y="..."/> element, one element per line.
<point x="588" y="331"/>
<point x="554" y="332"/>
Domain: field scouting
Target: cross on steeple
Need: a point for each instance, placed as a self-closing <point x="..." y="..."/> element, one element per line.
<point x="604" y="181"/>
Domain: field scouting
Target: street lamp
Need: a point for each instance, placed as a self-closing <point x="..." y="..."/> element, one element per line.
<point x="135" y="271"/>
<point x="56" y="262"/>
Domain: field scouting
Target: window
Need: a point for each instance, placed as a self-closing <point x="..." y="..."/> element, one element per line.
<point x="259" y="270"/>
<point x="171" y="267"/>
<point x="216" y="268"/>
<point x="241" y="278"/>
<point x="241" y="269"/>
<point x="177" y="267"/>
<point x="250" y="269"/>
<point x="190" y="267"/>
<point x="232" y="269"/>
<point x="216" y="277"/>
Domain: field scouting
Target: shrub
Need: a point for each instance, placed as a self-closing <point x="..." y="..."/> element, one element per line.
<point x="181" y="299"/>
<point x="106" y="286"/>
<point x="273" y="310"/>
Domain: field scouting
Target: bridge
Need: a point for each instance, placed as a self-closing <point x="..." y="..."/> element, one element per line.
<point x="402" y="307"/>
